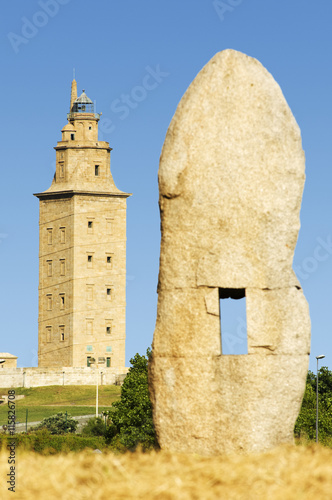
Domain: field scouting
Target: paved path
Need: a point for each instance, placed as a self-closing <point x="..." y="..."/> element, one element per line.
<point x="82" y="419"/>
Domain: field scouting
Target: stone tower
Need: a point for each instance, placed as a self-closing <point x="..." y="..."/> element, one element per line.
<point x="82" y="250"/>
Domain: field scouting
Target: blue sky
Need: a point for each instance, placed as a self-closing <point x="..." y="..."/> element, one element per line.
<point x="113" y="46"/>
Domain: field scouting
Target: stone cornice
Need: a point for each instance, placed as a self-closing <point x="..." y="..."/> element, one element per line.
<point x="69" y="146"/>
<point x="73" y="192"/>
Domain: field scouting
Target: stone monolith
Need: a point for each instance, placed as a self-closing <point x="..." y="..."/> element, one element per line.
<point x="231" y="178"/>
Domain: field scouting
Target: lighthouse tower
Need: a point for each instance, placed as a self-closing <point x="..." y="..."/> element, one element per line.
<point x="82" y="250"/>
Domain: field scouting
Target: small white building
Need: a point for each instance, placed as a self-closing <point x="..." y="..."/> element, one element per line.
<point x="7" y="360"/>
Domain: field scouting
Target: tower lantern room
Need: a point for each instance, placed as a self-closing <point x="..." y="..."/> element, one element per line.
<point x="82" y="105"/>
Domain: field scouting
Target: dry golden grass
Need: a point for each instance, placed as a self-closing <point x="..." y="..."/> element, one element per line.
<point x="287" y="472"/>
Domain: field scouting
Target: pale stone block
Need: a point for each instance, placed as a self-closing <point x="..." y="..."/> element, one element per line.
<point x="278" y="321"/>
<point x="231" y="177"/>
<point x="225" y="404"/>
<point x="184" y="326"/>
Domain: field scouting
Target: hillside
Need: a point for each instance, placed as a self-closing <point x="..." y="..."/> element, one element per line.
<point x="42" y="402"/>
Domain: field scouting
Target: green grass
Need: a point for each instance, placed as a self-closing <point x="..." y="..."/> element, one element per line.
<point x="43" y="402"/>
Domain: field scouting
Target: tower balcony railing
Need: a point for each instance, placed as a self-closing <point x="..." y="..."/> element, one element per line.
<point x="83" y="115"/>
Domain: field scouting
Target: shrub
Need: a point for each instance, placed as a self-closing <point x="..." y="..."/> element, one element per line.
<point x="58" y="424"/>
<point x="94" y="427"/>
<point x="42" y="441"/>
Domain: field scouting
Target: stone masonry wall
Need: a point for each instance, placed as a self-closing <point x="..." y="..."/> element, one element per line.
<point x="38" y="377"/>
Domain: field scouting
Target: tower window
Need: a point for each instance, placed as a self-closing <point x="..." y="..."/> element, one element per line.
<point x="109" y="223"/>
<point x="48" y="334"/>
<point x="90" y="128"/>
<point x="49" y="302"/>
<point x="109" y="348"/>
<point x="62" y="301"/>
<point x="88" y="361"/>
<point x="62" y="333"/>
<point x="49" y="236"/>
<point x="109" y="260"/>
<point x="90" y="225"/>
<point x="49" y="268"/>
<point x="62" y="235"/>
<point x="108" y="292"/>
<point x="89" y="348"/>
<point x="89" y="292"/>
<point x="96" y="170"/>
<point x="108" y="326"/>
<point x="89" y="326"/>
<point x="62" y="267"/>
<point x="90" y="261"/>
<point x="72" y="137"/>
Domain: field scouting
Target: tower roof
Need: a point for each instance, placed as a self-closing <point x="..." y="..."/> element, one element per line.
<point x="69" y="127"/>
<point x="83" y="99"/>
<point x="80" y="107"/>
<point x="82" y="104"/>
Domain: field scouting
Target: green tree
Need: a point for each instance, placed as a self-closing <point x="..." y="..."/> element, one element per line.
<point x="325" y="385"/>
<point x="58" y="424"/>
<point x="306" y="421"/>
<point x="132" y="417"/>
<point x="94" y="427"/>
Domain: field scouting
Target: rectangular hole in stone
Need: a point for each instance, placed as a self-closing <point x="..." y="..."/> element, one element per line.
<point x="233" y="321"/>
